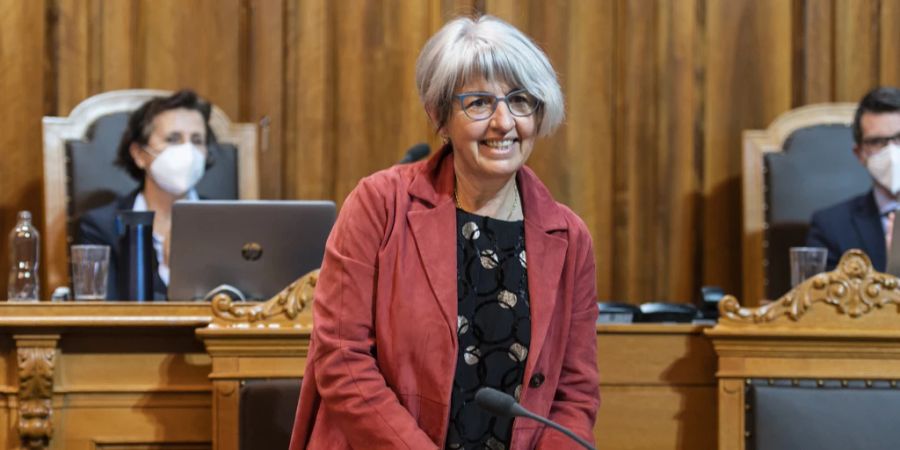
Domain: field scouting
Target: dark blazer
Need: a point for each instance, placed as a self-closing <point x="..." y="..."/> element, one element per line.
<point x="98" y="226"/>
<point x="855" y="223"/>
<point x="383" y="350"/>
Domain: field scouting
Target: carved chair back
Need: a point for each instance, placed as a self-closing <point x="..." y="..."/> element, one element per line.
<point x="801" y="163"/>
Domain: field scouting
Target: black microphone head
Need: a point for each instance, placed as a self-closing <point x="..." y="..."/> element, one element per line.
<point x="415" y="153"/>
<point x="496" y="402"/>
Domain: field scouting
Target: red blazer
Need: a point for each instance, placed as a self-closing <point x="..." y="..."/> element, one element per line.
<point x="383" y="351"/>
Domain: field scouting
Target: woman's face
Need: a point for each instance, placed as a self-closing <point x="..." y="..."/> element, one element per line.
<point x="493" y="148"/>
<point x="172" y="127"/>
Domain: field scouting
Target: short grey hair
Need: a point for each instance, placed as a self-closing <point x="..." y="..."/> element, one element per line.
<point x="466" y="49"/>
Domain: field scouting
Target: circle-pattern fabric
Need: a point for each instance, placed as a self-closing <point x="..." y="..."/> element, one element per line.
<point x="493" y="327"/>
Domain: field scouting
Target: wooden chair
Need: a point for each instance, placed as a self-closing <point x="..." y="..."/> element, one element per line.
<point x="801" y="163"/>
<point x="79" y="174"/>
<point x="258" y="353"/>
<point x="818" y="368"/>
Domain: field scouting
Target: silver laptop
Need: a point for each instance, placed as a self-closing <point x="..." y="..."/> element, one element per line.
<point x="258" y="247"/>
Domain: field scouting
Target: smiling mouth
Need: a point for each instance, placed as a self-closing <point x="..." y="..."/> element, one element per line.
<point x="499" y="144"/>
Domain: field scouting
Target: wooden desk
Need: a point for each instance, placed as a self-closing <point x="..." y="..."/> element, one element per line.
<point x="119" y="376"/>
<point x="109" y="376"/>
<point x="657" y="388"/>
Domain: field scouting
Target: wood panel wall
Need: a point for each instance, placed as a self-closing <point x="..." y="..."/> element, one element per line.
<point x="658" y="92"/>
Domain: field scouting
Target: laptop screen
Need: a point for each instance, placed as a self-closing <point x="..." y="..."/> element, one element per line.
<point x="256" y="246"/>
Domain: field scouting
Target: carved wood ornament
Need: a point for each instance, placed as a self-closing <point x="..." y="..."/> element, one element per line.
<point x="854" y="288"/>
<point x="285" y="306"/>
<point x="35" y="393"/>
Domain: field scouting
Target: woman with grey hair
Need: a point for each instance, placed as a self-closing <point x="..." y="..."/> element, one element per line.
<point x="405" y="333"/>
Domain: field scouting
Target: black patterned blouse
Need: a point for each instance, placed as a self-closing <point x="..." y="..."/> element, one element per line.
<point x="494" y="326"/>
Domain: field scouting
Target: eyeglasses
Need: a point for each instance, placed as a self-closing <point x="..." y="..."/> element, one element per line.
<point x="481" y="105"/>
<point x="880" y="142"/>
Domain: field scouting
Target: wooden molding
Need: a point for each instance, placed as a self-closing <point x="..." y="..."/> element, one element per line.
<point x="281" y="310"/>
<point x="854" y="289"/>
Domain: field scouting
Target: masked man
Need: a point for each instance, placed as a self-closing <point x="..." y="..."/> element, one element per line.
<point x="867" y="222"/>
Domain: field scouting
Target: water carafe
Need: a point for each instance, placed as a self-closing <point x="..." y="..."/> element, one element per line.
<point x="24" y="258"/>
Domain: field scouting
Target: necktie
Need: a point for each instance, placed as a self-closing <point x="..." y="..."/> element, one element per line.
<point x="892" y="239"/>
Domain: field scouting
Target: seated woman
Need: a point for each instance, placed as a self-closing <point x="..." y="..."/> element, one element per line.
<point x="164" y="149"/>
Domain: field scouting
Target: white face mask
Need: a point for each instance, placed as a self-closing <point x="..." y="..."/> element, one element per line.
<point x="178" y="168"/>
<point x="885" y="168"/>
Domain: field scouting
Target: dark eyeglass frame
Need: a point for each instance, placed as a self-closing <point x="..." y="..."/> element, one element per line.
<point x="497" y="99"/>
<point x="880" y="142"/>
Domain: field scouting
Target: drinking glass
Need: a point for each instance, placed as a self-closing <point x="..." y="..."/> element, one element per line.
<point x="90" y="269"/>
<point x="806" y="262"/>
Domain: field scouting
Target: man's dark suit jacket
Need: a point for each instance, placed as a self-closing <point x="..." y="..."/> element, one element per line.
<point x="98" y="226"/>
<point x="855" y="223"/>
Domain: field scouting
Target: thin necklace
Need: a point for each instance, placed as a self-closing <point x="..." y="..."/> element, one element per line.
<point x="511" y="211"/>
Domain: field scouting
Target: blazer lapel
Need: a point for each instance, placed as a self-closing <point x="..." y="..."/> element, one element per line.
<point x="545" y="254"/>
<point x="433" y="225"/>
<point x="544" y="270"/>
<point x="867" y="221"/>
<point x="433" y="230"/>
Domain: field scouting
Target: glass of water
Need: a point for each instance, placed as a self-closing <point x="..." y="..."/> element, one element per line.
<point x="806" y="262"/>
<point x="90" y="269"/>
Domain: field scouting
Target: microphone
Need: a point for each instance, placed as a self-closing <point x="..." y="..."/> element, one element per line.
<point x="504" y="405"/>
<point x="415" y="153"/>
